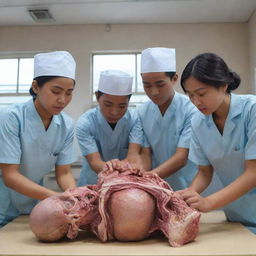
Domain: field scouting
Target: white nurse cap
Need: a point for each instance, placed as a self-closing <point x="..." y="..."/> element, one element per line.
<point x="158" y="59"/>
<point x="115" y="82"/>
<point x="59" y="63"/>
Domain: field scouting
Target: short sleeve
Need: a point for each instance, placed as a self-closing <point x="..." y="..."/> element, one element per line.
<point x="136" y="134"/>
<point x="250" y="148"/>
<point x="10" y="149"/>
<point x="185" y="134"/>
<point x="85" y="137"/>
<point x="196" y="154"/>
<point x="67" y="155"/>
<point x="145" y="143"/>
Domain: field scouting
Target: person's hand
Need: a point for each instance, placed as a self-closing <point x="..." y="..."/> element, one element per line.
<point x="112" y="164"/>
<point x="119" y="165"/>
<point x="194" y="200"/>
<point x="153" y="171"/>
<point x="134" y="162"/>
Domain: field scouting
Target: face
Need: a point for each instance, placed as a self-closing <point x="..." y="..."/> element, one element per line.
<point x="158" y="86"/>
<point x="53" y="96"/>
<point x="206" y="98"/>
<point x="113" y="107"/>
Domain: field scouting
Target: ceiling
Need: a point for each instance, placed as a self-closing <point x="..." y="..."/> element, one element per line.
<point x="15" y="12"/>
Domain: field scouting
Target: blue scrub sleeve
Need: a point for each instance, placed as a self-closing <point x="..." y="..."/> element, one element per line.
<point x="67" y="155"/>
<point x="185" y="132"/>
<point x="10" y="149"/>
<point x="85" y="137"/>
<point x="250" y="148"/>
<point x="145" y="143"/>
<point x="196" y="154"/>
<point x="136" y="134"/>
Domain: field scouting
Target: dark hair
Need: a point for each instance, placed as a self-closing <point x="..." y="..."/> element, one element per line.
<point x="170" y="74"/>
<point x="100" y="93"/>
<point x="210" y="69"/>
<point x="41" y="80"/>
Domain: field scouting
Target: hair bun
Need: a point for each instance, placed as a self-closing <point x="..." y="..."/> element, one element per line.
<point x="234" y="81"/>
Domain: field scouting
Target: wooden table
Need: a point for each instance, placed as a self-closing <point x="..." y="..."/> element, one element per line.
<point x="216" y="237"/>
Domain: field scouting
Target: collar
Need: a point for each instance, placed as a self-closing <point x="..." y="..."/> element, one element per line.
<point x="101" y="117"/>
<point x="235" y="109"/>
<point x="171" y="108"/>
<point x="33" y="112"/>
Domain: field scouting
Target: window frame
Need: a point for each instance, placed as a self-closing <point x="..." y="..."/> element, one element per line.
<point x="15" y="97"/>
<point x="16" y="55"/>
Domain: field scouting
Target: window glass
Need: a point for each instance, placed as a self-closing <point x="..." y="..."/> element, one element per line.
<point x="16" y="76"/>
<point x="6" y="101"/>
<point x="124" y="62"/>
<point x="8" y="75"/>
<point x="26" y="71"/>
<point x="129" y="63"/>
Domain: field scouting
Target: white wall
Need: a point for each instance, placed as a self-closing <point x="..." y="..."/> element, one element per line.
<point x="228" y="40"/>
<point x="252" y="50"/>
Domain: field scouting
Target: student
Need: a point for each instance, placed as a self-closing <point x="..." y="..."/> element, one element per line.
<point x="223" y="140"/>
<point x="36" y="136"/>
<point x="111" y="130"/>
<point x="166" y="118"/>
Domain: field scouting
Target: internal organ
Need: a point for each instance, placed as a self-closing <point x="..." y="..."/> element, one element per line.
<point x="125" y="205"/>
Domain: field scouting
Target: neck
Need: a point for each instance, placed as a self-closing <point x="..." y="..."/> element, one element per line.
<point x="44" y="115"/>
<point x="222" y="112"/>
<point x="164" y="106"/>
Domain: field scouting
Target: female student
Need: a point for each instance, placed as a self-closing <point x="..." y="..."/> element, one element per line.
<point x="110" y="132"/>
<point x="36" y="136"/>
<point x="166" y="118"/>
<point x="223" y="140"/>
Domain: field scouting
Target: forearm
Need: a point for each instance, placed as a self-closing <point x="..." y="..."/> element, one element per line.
<point x="27" y="187"/>
<point x="167" y="168"/>
<point x="95" y="162"/>
<point x="233" y="191"/>
<point x="202" y="179"/>
<point x="173" y="164"/>
<point x="97" y="166"/>
<point x="65" y="178"/>
<point x="133" y="150"/>
<point x="146" y="161"/>
<point x="133" y="155"/>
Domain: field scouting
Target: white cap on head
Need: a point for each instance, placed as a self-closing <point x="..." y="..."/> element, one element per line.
<point x="59" y="63"/>
<point x="115" y="82"/>
<point x="158" y="59"/>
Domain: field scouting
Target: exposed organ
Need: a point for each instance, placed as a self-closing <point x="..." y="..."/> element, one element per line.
<point x="125" y="205"/>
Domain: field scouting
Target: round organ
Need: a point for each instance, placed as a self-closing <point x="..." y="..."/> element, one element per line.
<point x="132" y="213"/>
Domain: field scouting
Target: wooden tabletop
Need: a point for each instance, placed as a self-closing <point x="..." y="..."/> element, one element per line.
<point x="216" y="237"/>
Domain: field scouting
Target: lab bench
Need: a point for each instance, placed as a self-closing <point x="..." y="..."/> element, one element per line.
<point x="217" y="237"/>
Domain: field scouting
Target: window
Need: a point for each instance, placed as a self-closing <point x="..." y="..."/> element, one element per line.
<point x="16" y="75"/>
<point x="127" y="62"/>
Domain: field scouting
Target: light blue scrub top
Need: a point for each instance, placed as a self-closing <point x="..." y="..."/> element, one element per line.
<point x="164" y="134"/>
<point x="25" y="141"/>
<point x="94" y="134"/>
<point x="227" y="152"/>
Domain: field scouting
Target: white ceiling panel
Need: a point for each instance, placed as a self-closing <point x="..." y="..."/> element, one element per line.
<point x="15" y="12"/>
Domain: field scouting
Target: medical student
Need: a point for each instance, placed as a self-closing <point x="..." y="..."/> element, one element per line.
<point x="110" y="132"/>
<point x="36" y="136"/>
<point x="166" y="119"/>
<point x="223" y="139"/>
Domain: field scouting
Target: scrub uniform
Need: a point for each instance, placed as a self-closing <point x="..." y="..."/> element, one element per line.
<point x="94" y="134"/>
<point x="227" y="152"/>
<point x="164" y="134"/>
<point x="25" y="141"/>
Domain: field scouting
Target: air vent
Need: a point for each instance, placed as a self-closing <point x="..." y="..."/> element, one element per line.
<point x="41" y="15"/>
